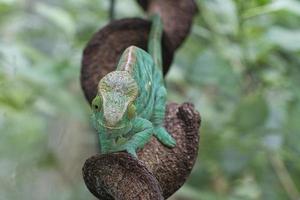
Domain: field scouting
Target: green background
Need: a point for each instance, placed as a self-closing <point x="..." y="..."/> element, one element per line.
<point x="240" y="67"/>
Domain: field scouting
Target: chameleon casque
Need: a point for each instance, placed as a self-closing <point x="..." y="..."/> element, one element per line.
<point x="130" y="103"/>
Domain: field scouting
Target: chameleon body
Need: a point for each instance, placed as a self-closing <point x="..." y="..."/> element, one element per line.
<point x="130" y="104"/>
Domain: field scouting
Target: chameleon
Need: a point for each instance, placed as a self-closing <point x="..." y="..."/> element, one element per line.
<point x="129" y="107"/>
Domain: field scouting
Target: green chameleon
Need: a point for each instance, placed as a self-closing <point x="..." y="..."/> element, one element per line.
<point x="130" y="104"/>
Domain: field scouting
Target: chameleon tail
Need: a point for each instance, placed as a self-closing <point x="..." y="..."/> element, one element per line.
<point x="154" y="44"/>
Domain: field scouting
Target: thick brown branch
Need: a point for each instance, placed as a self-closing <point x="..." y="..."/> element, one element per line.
<point x="160" y="171"/>
<point x="177" y="16"/>
<point x="119" y="176"/>
<point x="103" y="51"/>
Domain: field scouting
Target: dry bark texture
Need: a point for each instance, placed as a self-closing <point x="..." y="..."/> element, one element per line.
<point x="177" y="16"/>
<point x="102" y="53"/>
<point x="119" y="176"/>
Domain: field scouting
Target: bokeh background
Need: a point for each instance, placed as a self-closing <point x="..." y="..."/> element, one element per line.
<point x="240" y="67"/>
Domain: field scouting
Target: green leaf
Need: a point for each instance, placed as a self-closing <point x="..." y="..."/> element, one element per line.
<point x="210" y="69"/>
<point x="286" y="39"/>
<point x="57" y="16"/>
<point x="292" y="6"/>
<point x="221" y="15"/>
<point x="251" y="113"/>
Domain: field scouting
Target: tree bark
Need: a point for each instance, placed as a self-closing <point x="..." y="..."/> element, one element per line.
<point x="159" y="172"/>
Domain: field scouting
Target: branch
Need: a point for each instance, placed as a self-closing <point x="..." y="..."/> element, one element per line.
<point x="158" y="173"/>
<point x="119" y="176"/>
<point x="177" y="16"/>
<point x="103" y="51"/>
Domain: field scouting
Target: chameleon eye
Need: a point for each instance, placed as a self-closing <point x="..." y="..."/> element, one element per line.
<point x="96" y="103"/>
<point x="131" y="111"/>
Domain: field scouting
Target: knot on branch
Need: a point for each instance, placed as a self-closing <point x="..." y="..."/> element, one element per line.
<point x="120" y="176"/>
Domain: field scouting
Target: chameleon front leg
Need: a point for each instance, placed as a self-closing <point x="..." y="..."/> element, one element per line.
<point x="105" y="143"/>
<point x="141" y="132"/>
<point x="158" y="118"/>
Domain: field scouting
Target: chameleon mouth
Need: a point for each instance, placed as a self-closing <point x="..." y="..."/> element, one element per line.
<point x="114" y="128"/>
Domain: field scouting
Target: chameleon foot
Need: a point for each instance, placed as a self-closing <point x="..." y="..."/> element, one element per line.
<point x="164" y="137"/>
<point x="132" y="152"/>
<point x="130" y="149"/>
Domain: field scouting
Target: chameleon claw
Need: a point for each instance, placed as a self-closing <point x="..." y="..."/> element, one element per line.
<point x="128" y="149"/>
<point x="132" y="152"/>
<point x="164" y="137"/>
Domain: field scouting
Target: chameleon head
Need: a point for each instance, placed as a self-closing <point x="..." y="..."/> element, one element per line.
<point x="113" y="106"/>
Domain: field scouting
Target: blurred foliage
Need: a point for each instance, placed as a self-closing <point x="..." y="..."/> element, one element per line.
<point x="240" y="67"/>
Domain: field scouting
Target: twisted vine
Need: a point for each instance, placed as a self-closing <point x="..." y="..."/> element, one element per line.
<point x="160" y="171"/>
